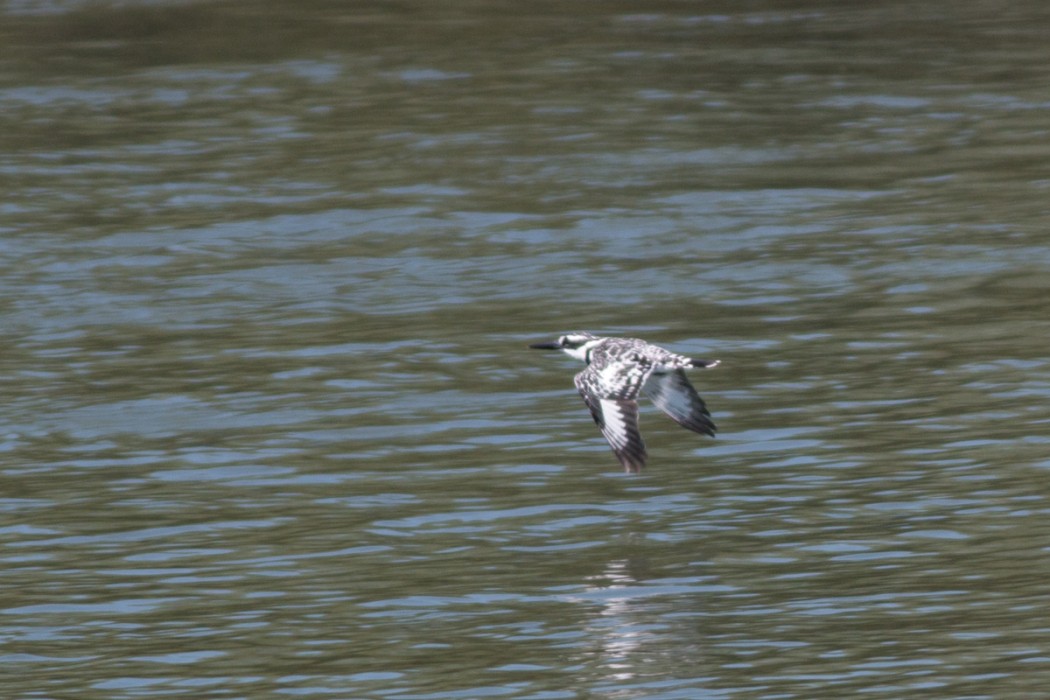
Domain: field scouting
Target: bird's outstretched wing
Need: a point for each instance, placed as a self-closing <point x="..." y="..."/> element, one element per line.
<point x="674" y="395"/>
<point x="616" y="417"/>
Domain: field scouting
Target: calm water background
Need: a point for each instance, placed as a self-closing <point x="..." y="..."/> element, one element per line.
<point x="270" y="429"/>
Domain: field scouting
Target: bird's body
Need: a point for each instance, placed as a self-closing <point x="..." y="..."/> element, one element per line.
<point x="618" y="370"/>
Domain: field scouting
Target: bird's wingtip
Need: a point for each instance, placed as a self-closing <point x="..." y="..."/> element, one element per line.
<point x="632" y="465"/>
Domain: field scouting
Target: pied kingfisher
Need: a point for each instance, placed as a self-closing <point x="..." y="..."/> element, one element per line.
<point x="618" y="369"/>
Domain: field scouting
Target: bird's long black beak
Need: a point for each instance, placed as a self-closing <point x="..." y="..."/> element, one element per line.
<point x="546" y="346"/>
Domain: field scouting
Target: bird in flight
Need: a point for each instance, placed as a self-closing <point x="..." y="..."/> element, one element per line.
<point x="618" y="370"/>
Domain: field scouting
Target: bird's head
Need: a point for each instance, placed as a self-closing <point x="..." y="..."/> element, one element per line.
<point x="574" y="344"/>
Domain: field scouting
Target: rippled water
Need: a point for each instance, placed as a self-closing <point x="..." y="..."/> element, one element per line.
<point x="271" y="428"/>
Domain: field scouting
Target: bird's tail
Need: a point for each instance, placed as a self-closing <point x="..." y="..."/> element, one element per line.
<point x="704" y="363"/>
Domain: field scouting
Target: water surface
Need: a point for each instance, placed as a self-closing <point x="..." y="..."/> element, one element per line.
<point x="270" y="424"/>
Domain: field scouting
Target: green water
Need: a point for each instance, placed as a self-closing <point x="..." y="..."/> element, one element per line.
<point x="271" y="428"/>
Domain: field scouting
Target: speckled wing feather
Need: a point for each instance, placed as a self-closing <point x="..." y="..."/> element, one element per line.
<point x="674" y="395"/>
<point x="616" y="417"/>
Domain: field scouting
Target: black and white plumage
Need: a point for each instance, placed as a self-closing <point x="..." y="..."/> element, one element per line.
<point x="618" y="370"/>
